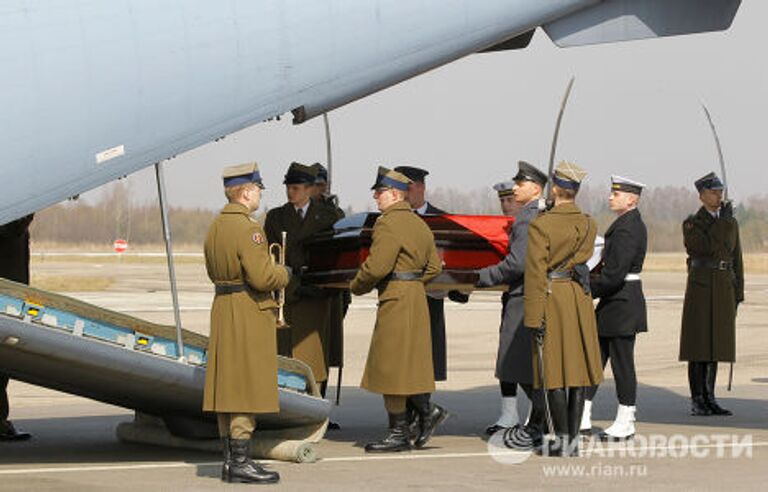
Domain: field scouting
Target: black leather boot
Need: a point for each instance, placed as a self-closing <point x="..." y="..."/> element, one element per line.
<point x="398" y="438"/>
<point x="529" y="436"/>
<point x="710" y="377"/>
<point x="699" y="405"/>
<point x="244" y="470"/>
<point x="227" y="459"/>
<point x="558" y="408"/>
<point x="576" y="397"/>
<point x="9" y="433"/>
<point x="430" y="416"/>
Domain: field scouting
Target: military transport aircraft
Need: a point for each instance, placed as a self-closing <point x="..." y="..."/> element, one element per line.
<point x="94" y="90"/>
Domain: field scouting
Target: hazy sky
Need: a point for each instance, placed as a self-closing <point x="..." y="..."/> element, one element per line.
<point x="635" y="110"/>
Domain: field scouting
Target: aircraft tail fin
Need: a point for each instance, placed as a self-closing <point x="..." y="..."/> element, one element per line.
<point x="623" y="20"/>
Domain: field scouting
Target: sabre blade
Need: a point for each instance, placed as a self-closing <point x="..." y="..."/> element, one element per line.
<point x="553" y="148"/>
<point x="719" y="151"/>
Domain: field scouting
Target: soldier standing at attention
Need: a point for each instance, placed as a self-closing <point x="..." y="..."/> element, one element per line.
<point x="715" y="289"/>
<point x="558" y="307"/>
<point x="241" y="377"/>
<point x="621" y="313"/>
<point x="514" y="358"/>
<point x="307" y="308"/>
<point x="402" y="259"/>
<point x="14" y="252"/>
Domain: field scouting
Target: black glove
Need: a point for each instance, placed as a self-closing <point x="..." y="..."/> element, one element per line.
<point x="457" y="296"/>
<point x="726" y="210"/>
<point x="538" y="335"/>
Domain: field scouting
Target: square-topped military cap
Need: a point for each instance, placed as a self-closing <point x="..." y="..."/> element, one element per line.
<point x="568" y="175"/>
<point x="242" y="174"/>
<point x="529" y="172"/>
<point x="387" y="178"/>
<point x="504" y="188"/>
<point x="709" y="181"/>
<point x="300" y="174"/>
<point x="322" y="173"/>
<point x="619" y="183"/>
<point x="415" y="174"/>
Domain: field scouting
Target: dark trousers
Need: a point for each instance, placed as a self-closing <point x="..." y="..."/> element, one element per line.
<point x="621" y="351"/>
<point x="3" y="398"/>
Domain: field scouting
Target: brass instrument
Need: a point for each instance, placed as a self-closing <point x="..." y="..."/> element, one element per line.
<point x="277" y="251"/>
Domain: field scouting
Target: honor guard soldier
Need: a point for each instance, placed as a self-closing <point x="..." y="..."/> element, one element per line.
<point x="558" y="308"/>
<point x="714" y="290"/>
<point x="514" y="358"/>
<point x="14" y="251"/>
<point x="307" y="308"/>
<point x="621" y="313"/>
<point x="241" y="376"/>
<point x="509" y="206"/>
<point x="402" y="259"/>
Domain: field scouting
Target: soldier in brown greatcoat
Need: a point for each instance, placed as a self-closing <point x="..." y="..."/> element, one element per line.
<point x="558" y="307"/>
<point x="241" y="376"/>
<point x="14" y="265"/>
<point x="714" y="290"/>
<point x="402" y="259"/>
<point x="307" y="308"/>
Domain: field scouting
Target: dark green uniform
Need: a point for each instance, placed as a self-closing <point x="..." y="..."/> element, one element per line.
<point x="307" y="308"/>
<point x="715" y="286"/>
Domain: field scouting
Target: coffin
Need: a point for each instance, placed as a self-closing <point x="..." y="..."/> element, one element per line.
<point x="465" y="243"/>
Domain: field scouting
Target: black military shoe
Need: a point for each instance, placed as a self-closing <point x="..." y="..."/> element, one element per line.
<point x="493" y="429"/>
<point x="227" y="459"/>
<point x="398" y="438"/>
<point x="716" y="409"/>
<point x="699" y="407"/>
<point x="9" y="433"/>
<point x="244" y="470"/>
<point x="710" y="376"/>
<point x="429" y="423"/>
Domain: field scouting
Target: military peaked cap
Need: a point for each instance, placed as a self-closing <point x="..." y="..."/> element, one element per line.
<point x="387" y="178"/>
<point x="709" y="182"/>
<point x="415" y="174"/>
<point x="242" y="174"/>
<point x="300" y="174"/>
<point x="619" y="183"/>
<point x="529" y="172"/>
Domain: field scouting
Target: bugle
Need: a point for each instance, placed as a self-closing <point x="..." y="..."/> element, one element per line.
<point x="277" y="251"/>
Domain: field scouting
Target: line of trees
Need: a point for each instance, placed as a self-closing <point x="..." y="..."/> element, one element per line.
<point x="115" y="215"/>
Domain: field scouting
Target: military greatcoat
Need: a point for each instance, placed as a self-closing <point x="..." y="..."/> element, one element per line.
<point x="557" y="241"/>
<point x="400" y="356"/>
<point x="307" y="308"/>
<point x="241" y="376"/>
<point x="513" y="361"/>
<point x="712" y="293"/>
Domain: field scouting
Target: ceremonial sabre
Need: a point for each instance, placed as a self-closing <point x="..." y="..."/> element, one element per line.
<point x="548" y="193"/>
<point x="329" y="158"/>
<point x="539" y="346"/>
<point x="725" y="192"/>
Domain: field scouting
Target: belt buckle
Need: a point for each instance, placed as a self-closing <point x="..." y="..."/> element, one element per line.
<point x="722" y="265"/>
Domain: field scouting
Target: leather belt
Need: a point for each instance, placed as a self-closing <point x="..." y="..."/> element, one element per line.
<point x="560" y="275"/>
<point x="405" y="276"/>
<point x="710" y="263"/>
<point x="632" y="277"/>
<point x="230" y="288"/>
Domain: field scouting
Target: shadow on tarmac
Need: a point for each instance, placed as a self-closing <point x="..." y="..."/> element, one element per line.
<point x="92" y="440"/>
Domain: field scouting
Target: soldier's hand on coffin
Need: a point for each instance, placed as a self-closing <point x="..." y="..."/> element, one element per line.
<point x="458" y="296"/>
<point x="726" y="210"/>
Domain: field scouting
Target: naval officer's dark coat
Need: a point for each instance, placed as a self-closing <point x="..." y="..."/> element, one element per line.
<point x="621" y="311"/>
<point x="437" y="323"/>
<point x="307" y="308"/>
<point x="513" y="362"/>
<point x="711" y="295"/>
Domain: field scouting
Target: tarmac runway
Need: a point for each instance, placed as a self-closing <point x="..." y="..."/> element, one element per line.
<point x="75" y="448"/>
